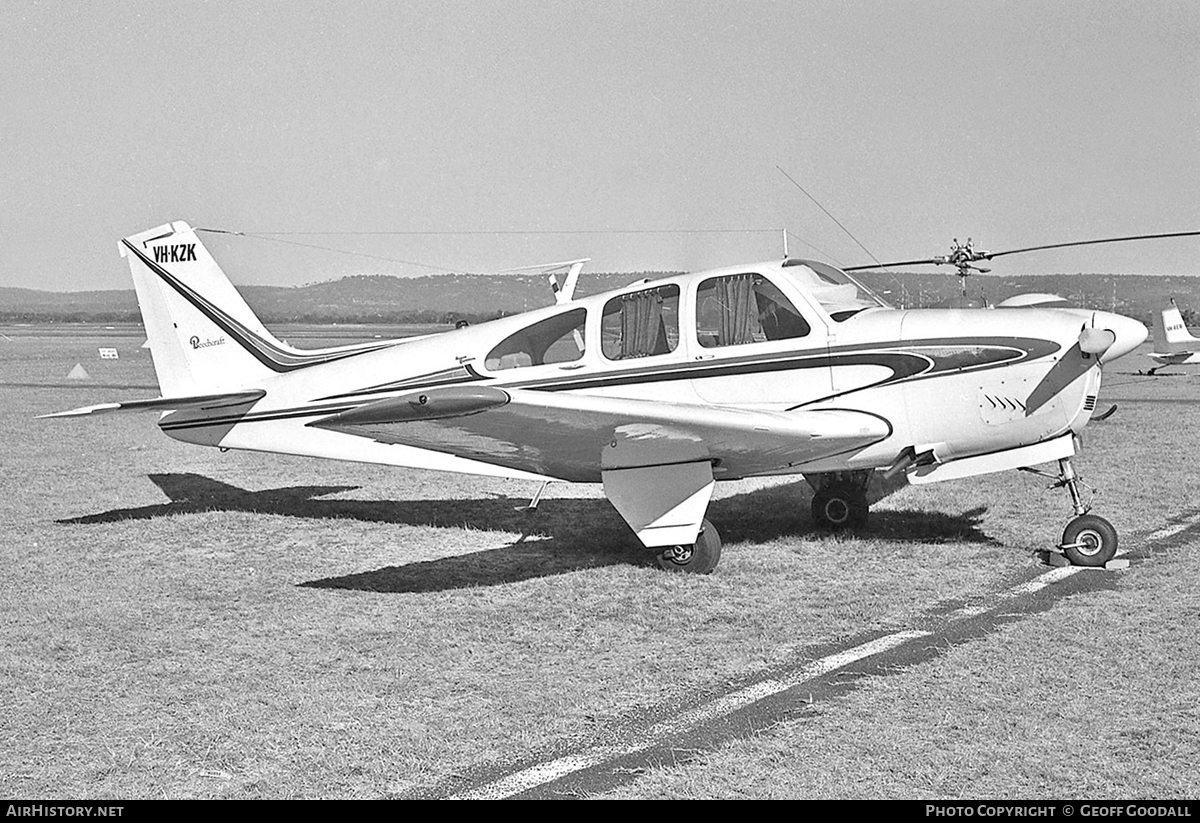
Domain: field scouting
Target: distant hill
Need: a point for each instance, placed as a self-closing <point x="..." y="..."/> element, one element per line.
<point x="358" y="299"/>
<point x="375" y="298"/>
<point x="445" y="298"/>
<point x="31" y="305"/>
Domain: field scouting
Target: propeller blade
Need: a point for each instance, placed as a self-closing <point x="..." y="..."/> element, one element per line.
<point x="1070" y="367"/>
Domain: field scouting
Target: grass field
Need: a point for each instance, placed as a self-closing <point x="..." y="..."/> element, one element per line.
<point x="178" y="622"/>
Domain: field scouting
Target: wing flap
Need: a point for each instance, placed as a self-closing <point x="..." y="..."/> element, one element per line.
<point x="577" y="436"/>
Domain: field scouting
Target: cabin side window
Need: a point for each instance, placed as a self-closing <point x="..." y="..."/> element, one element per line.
<point x="745" y="308"/>
<point x="641" y="324"/>
<point x="557" y="339"/>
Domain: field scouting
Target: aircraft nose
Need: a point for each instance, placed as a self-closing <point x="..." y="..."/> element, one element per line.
<point x="1128" y="334"/>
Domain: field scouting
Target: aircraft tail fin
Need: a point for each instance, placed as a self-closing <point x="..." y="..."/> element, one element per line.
<point x="202" y="335"/>
<point x="1170" y="332"/>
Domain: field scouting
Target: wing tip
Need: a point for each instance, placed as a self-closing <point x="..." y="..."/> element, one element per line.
<point x="81" y="411"/>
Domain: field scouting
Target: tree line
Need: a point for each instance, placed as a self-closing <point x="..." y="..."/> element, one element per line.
<point x="316" y="317"/>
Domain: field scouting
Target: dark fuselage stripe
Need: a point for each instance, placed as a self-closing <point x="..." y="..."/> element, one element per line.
<point x="905" y="365"/>
<point x="905" y="362"/>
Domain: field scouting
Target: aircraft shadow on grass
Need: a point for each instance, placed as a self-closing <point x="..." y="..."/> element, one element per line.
<point x="567" y="534"/>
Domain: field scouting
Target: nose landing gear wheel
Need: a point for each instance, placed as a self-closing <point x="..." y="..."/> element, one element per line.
<point x="1089" y="540"/>
<point x="699" y="558"/>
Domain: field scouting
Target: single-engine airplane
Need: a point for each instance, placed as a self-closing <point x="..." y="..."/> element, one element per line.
<point x="655" y="390"/>
<point x="1173" y="343"/>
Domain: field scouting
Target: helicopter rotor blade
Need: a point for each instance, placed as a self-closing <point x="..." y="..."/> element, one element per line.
<point x="931" y="261"/>
<point x="992" y="255"/>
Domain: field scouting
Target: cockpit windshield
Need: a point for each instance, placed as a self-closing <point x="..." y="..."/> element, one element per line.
<point x="839" y="293"/>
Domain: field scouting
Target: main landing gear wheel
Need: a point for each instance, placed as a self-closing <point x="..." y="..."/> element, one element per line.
<point x="1089" y="540"/>
<point x="840" y="506"/>
<point x="699" y="558"/>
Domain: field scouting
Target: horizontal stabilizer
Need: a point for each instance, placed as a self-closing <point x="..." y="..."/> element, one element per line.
<point x="199" y="401"/>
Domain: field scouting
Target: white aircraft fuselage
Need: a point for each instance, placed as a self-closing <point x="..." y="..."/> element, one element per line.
<point x="960" y="382"/>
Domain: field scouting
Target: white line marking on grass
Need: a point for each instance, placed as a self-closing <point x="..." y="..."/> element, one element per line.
<point x="1042" y="581"/>
<point x="543" y="773"/>
<point x="1171" y="531"/>
<point x="1037" y="584"/>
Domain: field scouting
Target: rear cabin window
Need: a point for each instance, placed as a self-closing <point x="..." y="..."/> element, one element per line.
<point x="641" y="324"/>
<point x="557" y="339"/>
<point x="744" y="308"/>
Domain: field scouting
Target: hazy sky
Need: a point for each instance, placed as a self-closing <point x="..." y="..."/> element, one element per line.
<point x="1016" y="123"/>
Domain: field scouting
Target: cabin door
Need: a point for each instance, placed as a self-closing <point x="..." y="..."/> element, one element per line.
<point x="751" y="346"/>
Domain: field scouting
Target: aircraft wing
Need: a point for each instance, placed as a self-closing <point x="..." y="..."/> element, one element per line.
<point x="1175" y="358"/>
<point x="577" y="437"/>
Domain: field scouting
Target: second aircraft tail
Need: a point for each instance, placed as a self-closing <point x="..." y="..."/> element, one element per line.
<point x="1170" y="333"/>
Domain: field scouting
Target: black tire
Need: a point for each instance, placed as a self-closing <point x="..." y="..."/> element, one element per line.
<point x="840" y="506"/>
<point x="1089" y="541"/>
<point x="699" y="558"/>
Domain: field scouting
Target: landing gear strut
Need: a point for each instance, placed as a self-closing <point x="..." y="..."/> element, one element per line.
<point x="840" y="499"/>
<point x="1089" y="540"/>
